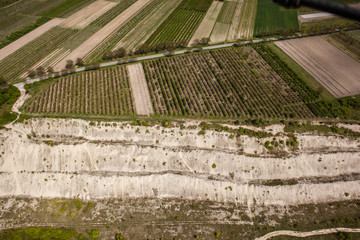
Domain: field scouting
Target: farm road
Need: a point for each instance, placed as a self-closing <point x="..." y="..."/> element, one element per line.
<point x="307" y="234"/>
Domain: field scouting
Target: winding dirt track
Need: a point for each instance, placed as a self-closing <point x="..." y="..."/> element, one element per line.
<point x="307" y="234"/>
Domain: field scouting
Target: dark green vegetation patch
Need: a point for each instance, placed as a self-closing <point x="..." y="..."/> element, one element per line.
<point x="182" y="23"/>
<point x="271" y="19"/>
<point x="7" y="98"/>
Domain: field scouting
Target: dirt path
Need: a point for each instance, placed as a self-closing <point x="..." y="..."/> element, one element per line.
<point x="140" y="89"/>
<point x="308" y="234"/>
<point x="95" y="40"/>
<point x="9" y="49"/>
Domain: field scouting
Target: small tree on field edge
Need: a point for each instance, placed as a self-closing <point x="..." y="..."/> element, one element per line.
<point x="79" y="62"/>
<point x="69" y="64"/>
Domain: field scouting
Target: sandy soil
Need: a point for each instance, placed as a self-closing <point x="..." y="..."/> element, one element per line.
<point x="71" y="158"/>
<point x="331" y="67"/>
<point x="140" y="89"/>
<point x="9" y="49"/>
<point x="88" y="14"/>
<point x="207" y="24"/>
<point x="219" y="32"/>
<point x="233" y="30"/>
<point x="102" y="34"/>
<point x="308" y="234"/>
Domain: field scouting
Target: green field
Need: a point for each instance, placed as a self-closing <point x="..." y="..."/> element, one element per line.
<point x="67" y="8"/>
<point x="354" y="34"/>
<point x="271" y="19"/>
<point x="182" y="23"/>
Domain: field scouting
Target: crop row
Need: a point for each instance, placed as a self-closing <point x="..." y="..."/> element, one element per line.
<point x="219" y="83"/>
<point x="182" y="23"/>
<point x="104" y="92"/>
<point x="308" y="95"/>
<point x="180" y="27"/>
<point x="271" y="19"/>
<point x="24" y="58"/>
<point x="121" y="32"/>
<point x="227" y="12"/>
<point x="112" y="13"/>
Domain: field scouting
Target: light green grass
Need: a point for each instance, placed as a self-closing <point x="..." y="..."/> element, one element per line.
<point x="302" y="73"/>
<point x="271" y="19"/>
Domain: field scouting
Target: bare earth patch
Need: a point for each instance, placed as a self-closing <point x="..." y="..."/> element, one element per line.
<point x="207" y="24"/>
<point x="72" y="159"/>
<point x="88" y="14"/>
<point x="101" y="35"/>
<point x="9" y="49"/>
<point x="140" y="89"/>
<point x="331" y="67"/>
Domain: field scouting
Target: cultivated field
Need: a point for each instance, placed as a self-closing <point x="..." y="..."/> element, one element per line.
<point x="272" y="19"/>
<point x="140" y="89"/>
<point x="335" y="70"/>
<point x="234" y="27"/>
<point x="95" y="40"/>
<point x="11" y="48"/>
<point x="219" y="32"/>
<point x="346" y="43"/>
<point x="182" y="23"/>
<point x="88" y="14"/>
<point x="247" y="22"/>
<point x="126" y="28"/>
<point x="104" y="92"/>
<point x="207" y="24"/>
<point x="230" y="83"/>
<point x="147" y="26"/>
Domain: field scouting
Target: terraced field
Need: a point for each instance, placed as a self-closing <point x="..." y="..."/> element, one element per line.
<point x="272" y="19"/>
<point x="104" y="92"/>
<point x="182" y="23"/>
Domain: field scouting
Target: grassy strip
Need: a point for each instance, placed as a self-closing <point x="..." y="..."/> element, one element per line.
<point x="7" y="99"/>
<point x="66" y="8"/>
<point x="301" y="72"/>
<point x="18" y="34"/>
<point x="328" y="25"/>
<point x="41" y="233"/>
<point x="271" y="19"/>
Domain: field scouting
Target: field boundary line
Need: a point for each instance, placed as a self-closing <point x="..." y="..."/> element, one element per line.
<point x="307" y="234"/>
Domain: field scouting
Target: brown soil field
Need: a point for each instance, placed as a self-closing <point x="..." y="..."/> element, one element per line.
<point x="85" y="48"/>
<point x="331" y="67"/>
<point x="140" y="89"/>
<point x="9" y="49"/>
<point x="88" y="14"/>
<point x="233" y="31"/>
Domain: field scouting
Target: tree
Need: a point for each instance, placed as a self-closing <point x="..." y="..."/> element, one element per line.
<point x="69" y="64"/>
<point x="79" y="62"/>
<point x="120" y="53"/>
<point x="50" y="69"/>
<point x="40" y="71"/>
<point x="3" y="83"/>
<point x="31" y="73"/>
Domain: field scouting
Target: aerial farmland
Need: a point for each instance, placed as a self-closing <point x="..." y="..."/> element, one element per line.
<point x="178" y="119"/>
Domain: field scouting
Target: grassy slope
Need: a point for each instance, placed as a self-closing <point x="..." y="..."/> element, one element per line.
<point x="272" y="19"/>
